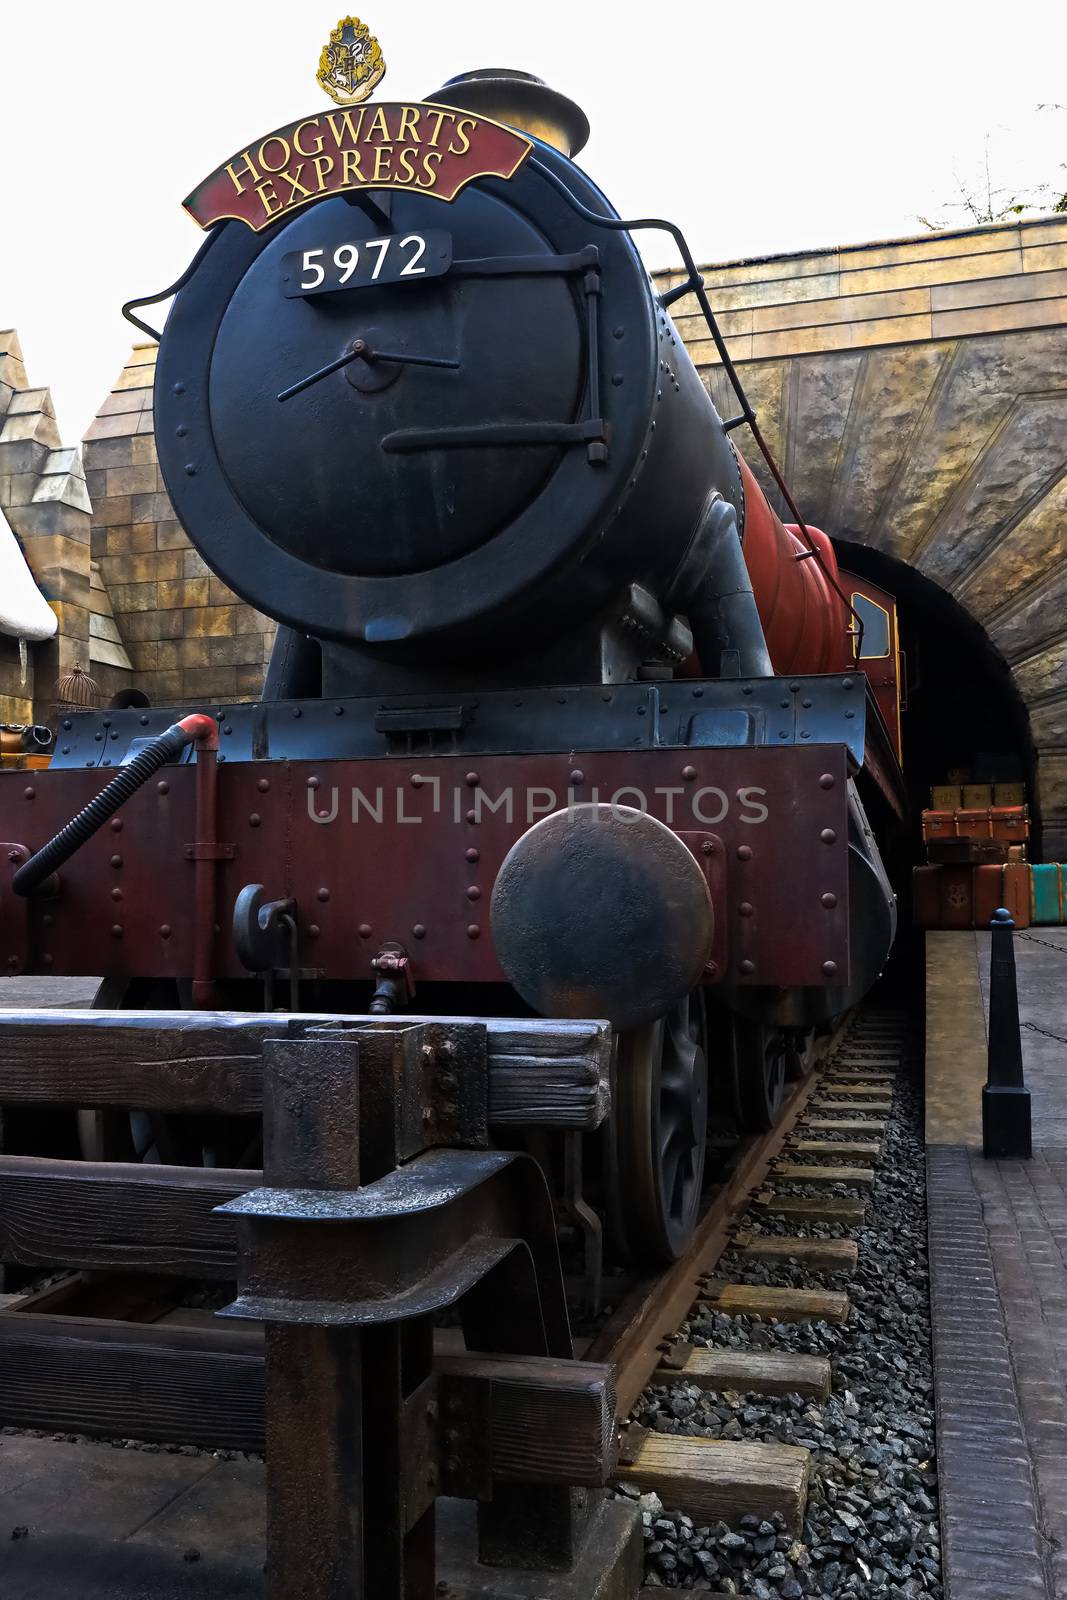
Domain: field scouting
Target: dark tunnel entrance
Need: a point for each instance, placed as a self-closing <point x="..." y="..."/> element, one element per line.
<point x="963" y="708"/>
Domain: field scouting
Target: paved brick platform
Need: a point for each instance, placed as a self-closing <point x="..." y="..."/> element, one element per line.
<point x="998" y="1270"/>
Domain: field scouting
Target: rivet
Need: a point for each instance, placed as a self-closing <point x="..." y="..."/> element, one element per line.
<point x="473" y="931"/>
<point x="254" y="819"/>
<point x="828" y="836"/>
<point x="116" y="824"/>
<point x="313" y="930"/>
<point x="116" y="894"/>
<point x="474" y="893"/>
<point x="689" y="773"/>
<point x="338" y="711"/>
<point x="577" y="776"/>
<point x="227" y="729"/>
<point x="29" y="793"/>
<point x="181" y="431"/>
<point x="365" y="930"/>
<point x="179" y="388"/>
<point x="744" y="852"/>
<point x="98" y="737"/>
<point x="746" y="688"/>
<point x="323" y="894"/>
<point x="745" y="908"/>
<point x="828" y="900"/>
<point x="784" y="704"/>
<point x="419" y="930"/>
<point x="116" y="861"/>
<point x="47" y="960"/>
<point x="710" y="968"/>
<point x="616" y="333"/>
<point x="68" y="724"/>
<point x="313" y="783"/>
<point x="794" y="688"/>
<point x="850" y="713"/>
<point x="297" y="711"/>
<point x="806" y="703"/>
<point x="826" y="781"/>
<point x="164" y="932"/>
<point x="616" y="380"/>
<point x="747" y="967"/>
<point x="263" y="785"/>
<point x="846" y="683"/>
<point x="472" y="816"/>
<point x="143" y="721"/>
<point x="829" y="969"/>
<point x="48" y="919"/>
<point x="708" y="847"/>
<point x="66" y="749"/>
<point x="471" y="780"/>
<point x="116" y="930"/>
<point x="473" y="854"/>
<point x="190" y="470"/>
<point x="163" y="787"/>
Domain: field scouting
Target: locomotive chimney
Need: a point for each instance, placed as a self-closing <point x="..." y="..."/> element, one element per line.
<point x="523" y="102"/>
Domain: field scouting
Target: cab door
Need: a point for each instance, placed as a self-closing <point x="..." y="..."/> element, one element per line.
<point x="878" y="651"/>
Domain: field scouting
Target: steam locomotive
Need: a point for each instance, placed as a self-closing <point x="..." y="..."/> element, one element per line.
<point x="561" y="719"/>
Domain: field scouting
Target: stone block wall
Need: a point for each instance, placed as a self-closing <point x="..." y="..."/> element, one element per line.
<point x="189" y="638"/>
<point x="45" y="503"/>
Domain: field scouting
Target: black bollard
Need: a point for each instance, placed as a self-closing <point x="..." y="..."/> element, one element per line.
<point x="1005" y="1097"/>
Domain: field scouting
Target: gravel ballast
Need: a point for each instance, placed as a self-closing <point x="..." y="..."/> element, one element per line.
<point x="871" y="1527"/>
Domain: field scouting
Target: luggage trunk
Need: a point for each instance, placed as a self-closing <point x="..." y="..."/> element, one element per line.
<point x="1047" y="888"/>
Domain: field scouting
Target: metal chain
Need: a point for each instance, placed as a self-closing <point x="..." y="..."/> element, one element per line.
<point x="1032" y="938"/>
<point x="1033" y="1025"/>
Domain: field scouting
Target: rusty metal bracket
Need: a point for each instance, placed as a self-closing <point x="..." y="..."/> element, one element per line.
<point x="14" y="916"/>
<point x="210" y="852"/>
<point x="631" y="1440"/>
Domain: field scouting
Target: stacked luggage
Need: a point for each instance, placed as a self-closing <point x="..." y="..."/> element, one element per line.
<point x="975" y="836"/>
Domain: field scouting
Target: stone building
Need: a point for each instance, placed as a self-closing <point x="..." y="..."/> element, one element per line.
<point x="45" y="514"/>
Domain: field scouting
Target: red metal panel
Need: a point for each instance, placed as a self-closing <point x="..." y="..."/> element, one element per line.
<point x="408" y="849"/>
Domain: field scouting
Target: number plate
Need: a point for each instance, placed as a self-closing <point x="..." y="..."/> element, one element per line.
<point x="399" y="258"/>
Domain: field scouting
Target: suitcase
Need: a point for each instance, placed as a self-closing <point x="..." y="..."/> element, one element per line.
<point x="1016" y="852"/>
<point x="977" y="796"/>
<point x="1011" y="824"/>
<point x="1007" y="886"/>
<point x="1009" y="794"/>
<point x="969" y="852"/>
<point x="967" y="897"/>
<point x="946" y="796"/>
<point x="1048" y="886"/>
<point x="943" y="897"/>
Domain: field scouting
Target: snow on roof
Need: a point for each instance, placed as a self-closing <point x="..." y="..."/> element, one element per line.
<point x="24" y="611"/>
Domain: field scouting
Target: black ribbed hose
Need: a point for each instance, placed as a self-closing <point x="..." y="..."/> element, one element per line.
<point x="79" y="829"/>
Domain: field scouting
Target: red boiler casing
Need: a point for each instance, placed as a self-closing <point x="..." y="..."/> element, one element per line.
<point x="804" y="619"/>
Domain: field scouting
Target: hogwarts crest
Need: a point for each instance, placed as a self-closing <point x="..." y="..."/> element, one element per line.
<point x="352" y="63"/>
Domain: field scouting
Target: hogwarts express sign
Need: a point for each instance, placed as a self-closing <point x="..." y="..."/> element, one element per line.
<point x="429" y="148"/>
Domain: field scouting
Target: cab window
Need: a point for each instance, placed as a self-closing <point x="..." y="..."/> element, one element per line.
<point x="876" y="635"/>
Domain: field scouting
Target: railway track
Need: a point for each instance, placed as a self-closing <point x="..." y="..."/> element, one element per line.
<point x="786" y="1211"/>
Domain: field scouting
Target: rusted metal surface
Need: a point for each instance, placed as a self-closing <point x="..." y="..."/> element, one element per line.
<point x="423" y="875"/>
<point x="600" y="910"/>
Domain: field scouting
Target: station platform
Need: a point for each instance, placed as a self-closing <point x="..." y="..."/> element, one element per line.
<point x="998" y="1273"/>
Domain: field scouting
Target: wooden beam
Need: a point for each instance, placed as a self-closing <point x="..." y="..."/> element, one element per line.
<point x="549" y="1421"/>
<point x="131" y="1380"/>
<point x="818" y="1255"/>
<point x="779" y="1305"/>
<point x="883" y="1107"/>
<point x="857" y="1149"/>
<point x="749" y="1371"/>
<point x="541" y="1073"/>
<point x="98" y="1215"/>
<point x="862" y="1091"/>
<point x="855" y="1177"/>
<point x="715" y="1479"/>
<point x="845" y="1125"/>
<point x="835" y="1208"/>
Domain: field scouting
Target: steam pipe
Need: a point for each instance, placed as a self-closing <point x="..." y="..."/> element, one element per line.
<point x="157" y="753"/>
<point x="722" y="606"/>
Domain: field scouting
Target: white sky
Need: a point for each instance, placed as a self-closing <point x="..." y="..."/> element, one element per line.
<point x="758" y="127"/>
